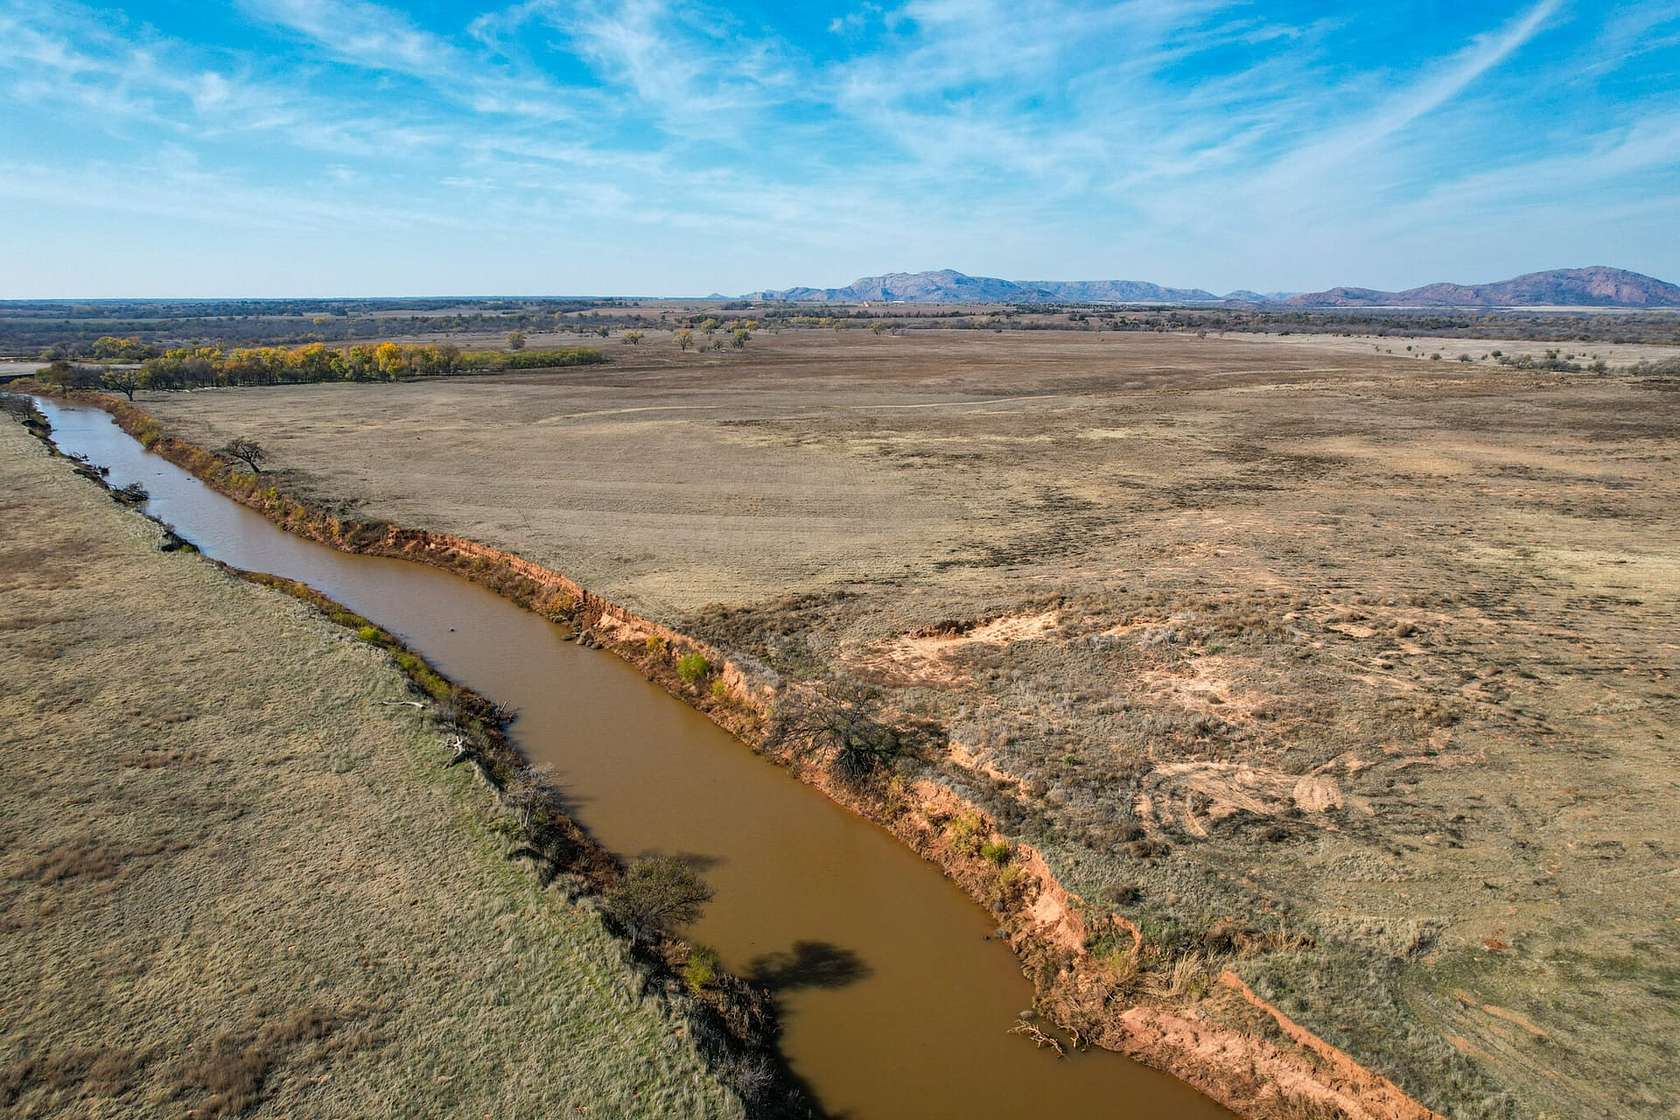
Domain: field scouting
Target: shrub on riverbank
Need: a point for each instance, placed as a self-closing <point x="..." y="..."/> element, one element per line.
<point x="701" y="971"/>
<point x="656" y="896"/>
<point x="692" y="666"/>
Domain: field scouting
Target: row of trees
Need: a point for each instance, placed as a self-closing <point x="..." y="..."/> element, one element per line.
<point x="684" y="339"/>
<point x="204" y="366"/>
<point x="111" y="348"/>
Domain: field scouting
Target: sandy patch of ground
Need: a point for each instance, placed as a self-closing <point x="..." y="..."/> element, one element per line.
<point x="924" y="657"/>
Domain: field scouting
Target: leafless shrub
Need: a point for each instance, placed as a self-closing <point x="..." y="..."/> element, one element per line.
<point x="131" y="495"/>
<point x="837" y="724"/>
<point x="21" y="409"/>
<point x="754" y="1076"/>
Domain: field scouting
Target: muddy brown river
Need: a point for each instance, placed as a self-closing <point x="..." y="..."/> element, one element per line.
<point x="895" y="1003"/>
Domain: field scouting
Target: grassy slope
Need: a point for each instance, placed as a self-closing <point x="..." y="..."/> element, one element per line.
<point x="230" y="874"/>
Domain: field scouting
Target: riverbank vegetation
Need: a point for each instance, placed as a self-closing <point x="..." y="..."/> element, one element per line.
<point x="201" y="367"/>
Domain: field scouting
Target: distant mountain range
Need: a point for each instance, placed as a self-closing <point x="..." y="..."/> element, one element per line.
<point x="1574" y="287"/>
<point x="950" y="286"/>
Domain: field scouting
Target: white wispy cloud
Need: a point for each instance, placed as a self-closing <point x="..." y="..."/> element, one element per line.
<point x="1155" y="137"/>
<point x="377" y="37"/>
<point x="1407" y="104"/>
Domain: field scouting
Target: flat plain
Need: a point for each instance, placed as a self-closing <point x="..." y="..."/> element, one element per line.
<point x="1245" y="634"/>
<point x="236" y="879"/>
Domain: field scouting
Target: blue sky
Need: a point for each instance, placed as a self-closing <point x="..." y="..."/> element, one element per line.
<point x="343" y="147"/>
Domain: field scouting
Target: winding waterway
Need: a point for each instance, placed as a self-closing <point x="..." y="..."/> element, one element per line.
<point x="895" y="1002"/>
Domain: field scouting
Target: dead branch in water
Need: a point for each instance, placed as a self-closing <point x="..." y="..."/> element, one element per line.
<point x="1039" y="1038"/>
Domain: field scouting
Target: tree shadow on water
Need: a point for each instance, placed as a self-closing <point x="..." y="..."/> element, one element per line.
<point x="809" y="964"/>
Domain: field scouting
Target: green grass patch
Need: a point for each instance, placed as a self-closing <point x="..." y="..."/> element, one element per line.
<point x="693" y="666"/>
<point x="701" y="971"/>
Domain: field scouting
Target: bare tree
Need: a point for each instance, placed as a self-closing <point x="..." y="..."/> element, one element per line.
<point x="247" y="451"/>
<point x="835" y="723"/>
<point x="656" y="896"/>
<point x="21" y="409"/>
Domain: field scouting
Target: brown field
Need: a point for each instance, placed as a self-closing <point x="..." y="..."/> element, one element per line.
<point x="236" y="880"/>
<point x="1244" y="633"/>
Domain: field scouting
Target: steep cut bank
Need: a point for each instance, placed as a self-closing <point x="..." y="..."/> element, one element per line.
<point x="1271" y="1067"/>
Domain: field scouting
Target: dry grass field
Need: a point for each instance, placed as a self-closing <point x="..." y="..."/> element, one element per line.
<point x="1617" y="355"/>
<point x="1245" y="634"/>
<point x="235" y="881"/>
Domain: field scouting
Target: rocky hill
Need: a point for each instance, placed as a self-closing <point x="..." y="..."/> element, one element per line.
<point x="1598" y="286"/>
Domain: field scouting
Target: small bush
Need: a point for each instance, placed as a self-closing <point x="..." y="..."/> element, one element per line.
<point x="720" y="689"/>
<point x="655" y="644"/>
<point x="701" y="970"/>
<point x="1003" y="887"/>
<point x="998" y="851"/>
<point x="368" y="633"/>
<point x="964" y="831"/>
<point x="692" y="666"/>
